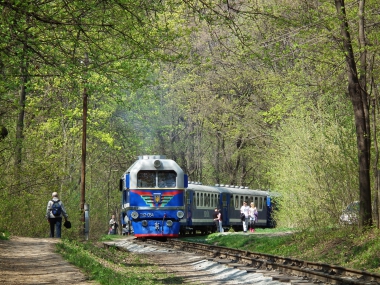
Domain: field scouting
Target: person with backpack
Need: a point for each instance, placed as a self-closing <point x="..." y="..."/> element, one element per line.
<point x="54" y="212"/>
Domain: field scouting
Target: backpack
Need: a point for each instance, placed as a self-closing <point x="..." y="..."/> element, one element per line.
<point x="56" y="208"/>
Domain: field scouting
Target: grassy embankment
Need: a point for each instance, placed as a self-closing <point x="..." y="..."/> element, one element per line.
<point x="113" y="267"/>
<point x="346" y="246"/>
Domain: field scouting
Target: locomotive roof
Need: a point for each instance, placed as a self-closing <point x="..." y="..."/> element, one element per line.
<point x="146" y="162"/>
<point x="154" y="163"/>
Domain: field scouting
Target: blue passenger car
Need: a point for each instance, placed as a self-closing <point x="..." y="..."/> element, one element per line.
<point x="153" y="196"/>
<point x="201" y="200"/>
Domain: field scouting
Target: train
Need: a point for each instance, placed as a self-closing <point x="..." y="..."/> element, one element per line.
<point x="153" y="191"/>
<point x="158" y="201"/>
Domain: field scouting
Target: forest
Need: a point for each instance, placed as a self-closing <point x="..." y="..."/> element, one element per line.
<point x="279" y="95"/>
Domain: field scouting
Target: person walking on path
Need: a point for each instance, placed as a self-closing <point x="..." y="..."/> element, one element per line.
<point x="54" y="212"/>
<point x="252" y="213"/>
<point x="244" y="211"/>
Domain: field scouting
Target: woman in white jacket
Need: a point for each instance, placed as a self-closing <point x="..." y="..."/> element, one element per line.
<point x="245" y="210"/>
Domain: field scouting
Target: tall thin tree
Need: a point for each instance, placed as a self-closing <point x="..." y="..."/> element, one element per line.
<point x="359" y="99"/>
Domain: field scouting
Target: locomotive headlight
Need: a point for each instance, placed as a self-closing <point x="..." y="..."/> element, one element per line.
<point x="134" y="215"/>
<point x="157" y="163"/>
<point x="144" y="223"/>
<point x="169" y="223"/>
<point x="180" y="214"/>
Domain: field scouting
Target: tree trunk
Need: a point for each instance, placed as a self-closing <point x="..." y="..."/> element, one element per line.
<point x="21" y="110"/>
<point x="358" y="97"/>
<point x="217" y="158"/>
<point x="376" y="170"/>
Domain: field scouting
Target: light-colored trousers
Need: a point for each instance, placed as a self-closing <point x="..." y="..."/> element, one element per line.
<point x="220" y="227"/>
<point x="245" y="224"/>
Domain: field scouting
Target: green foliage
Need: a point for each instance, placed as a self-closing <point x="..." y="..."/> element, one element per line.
<point x="4" y="234"/>
<point x="48" y="42"/>
<point x="313" y="167"/>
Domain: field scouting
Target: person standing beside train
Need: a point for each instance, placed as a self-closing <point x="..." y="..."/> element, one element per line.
<point x="244" y="213"/>
<point x="252" y="213"/>
<point x="220" y="221"/>
<point x="216" y="220"/>
<point x="127" y="226"/>
<point x="113" y="226"/>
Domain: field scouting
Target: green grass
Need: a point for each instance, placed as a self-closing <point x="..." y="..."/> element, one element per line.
<point x="346" y="246"/>
<point x="110" y="237"/>
<point x="113" y="267"/>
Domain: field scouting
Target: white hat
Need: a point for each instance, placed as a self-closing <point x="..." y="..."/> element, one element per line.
<point x="54" y="194"/>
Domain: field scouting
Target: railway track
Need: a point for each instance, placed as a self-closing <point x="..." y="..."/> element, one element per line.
<point x="251" y="265"/>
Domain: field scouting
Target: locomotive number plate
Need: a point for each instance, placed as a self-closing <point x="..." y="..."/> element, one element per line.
<point x="146" y="215"/>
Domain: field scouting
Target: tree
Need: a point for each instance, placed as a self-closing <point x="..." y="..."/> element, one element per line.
<point x="357" y="91"/>
<point x="295" y="47"/>
<point x="41" y="55"/>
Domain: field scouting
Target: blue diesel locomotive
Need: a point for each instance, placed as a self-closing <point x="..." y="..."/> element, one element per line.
<point x="153" y="190"/>
<point x="201" y="200"/>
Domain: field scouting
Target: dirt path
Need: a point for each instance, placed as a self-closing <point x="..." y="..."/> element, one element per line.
<point x="33" y="261"/>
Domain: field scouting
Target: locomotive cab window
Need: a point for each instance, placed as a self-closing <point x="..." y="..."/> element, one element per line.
<point x="167" y="179"/>
<point x="152" y="179"/>
<point x="146" y="178"/>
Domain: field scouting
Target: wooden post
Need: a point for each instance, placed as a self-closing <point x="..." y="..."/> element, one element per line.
<point x="84" y="136"/>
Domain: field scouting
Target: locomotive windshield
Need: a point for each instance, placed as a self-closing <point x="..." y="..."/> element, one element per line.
<point x="167" y="178"/>
<point x="154" y="179"/>
<point x="146" y="178"/>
